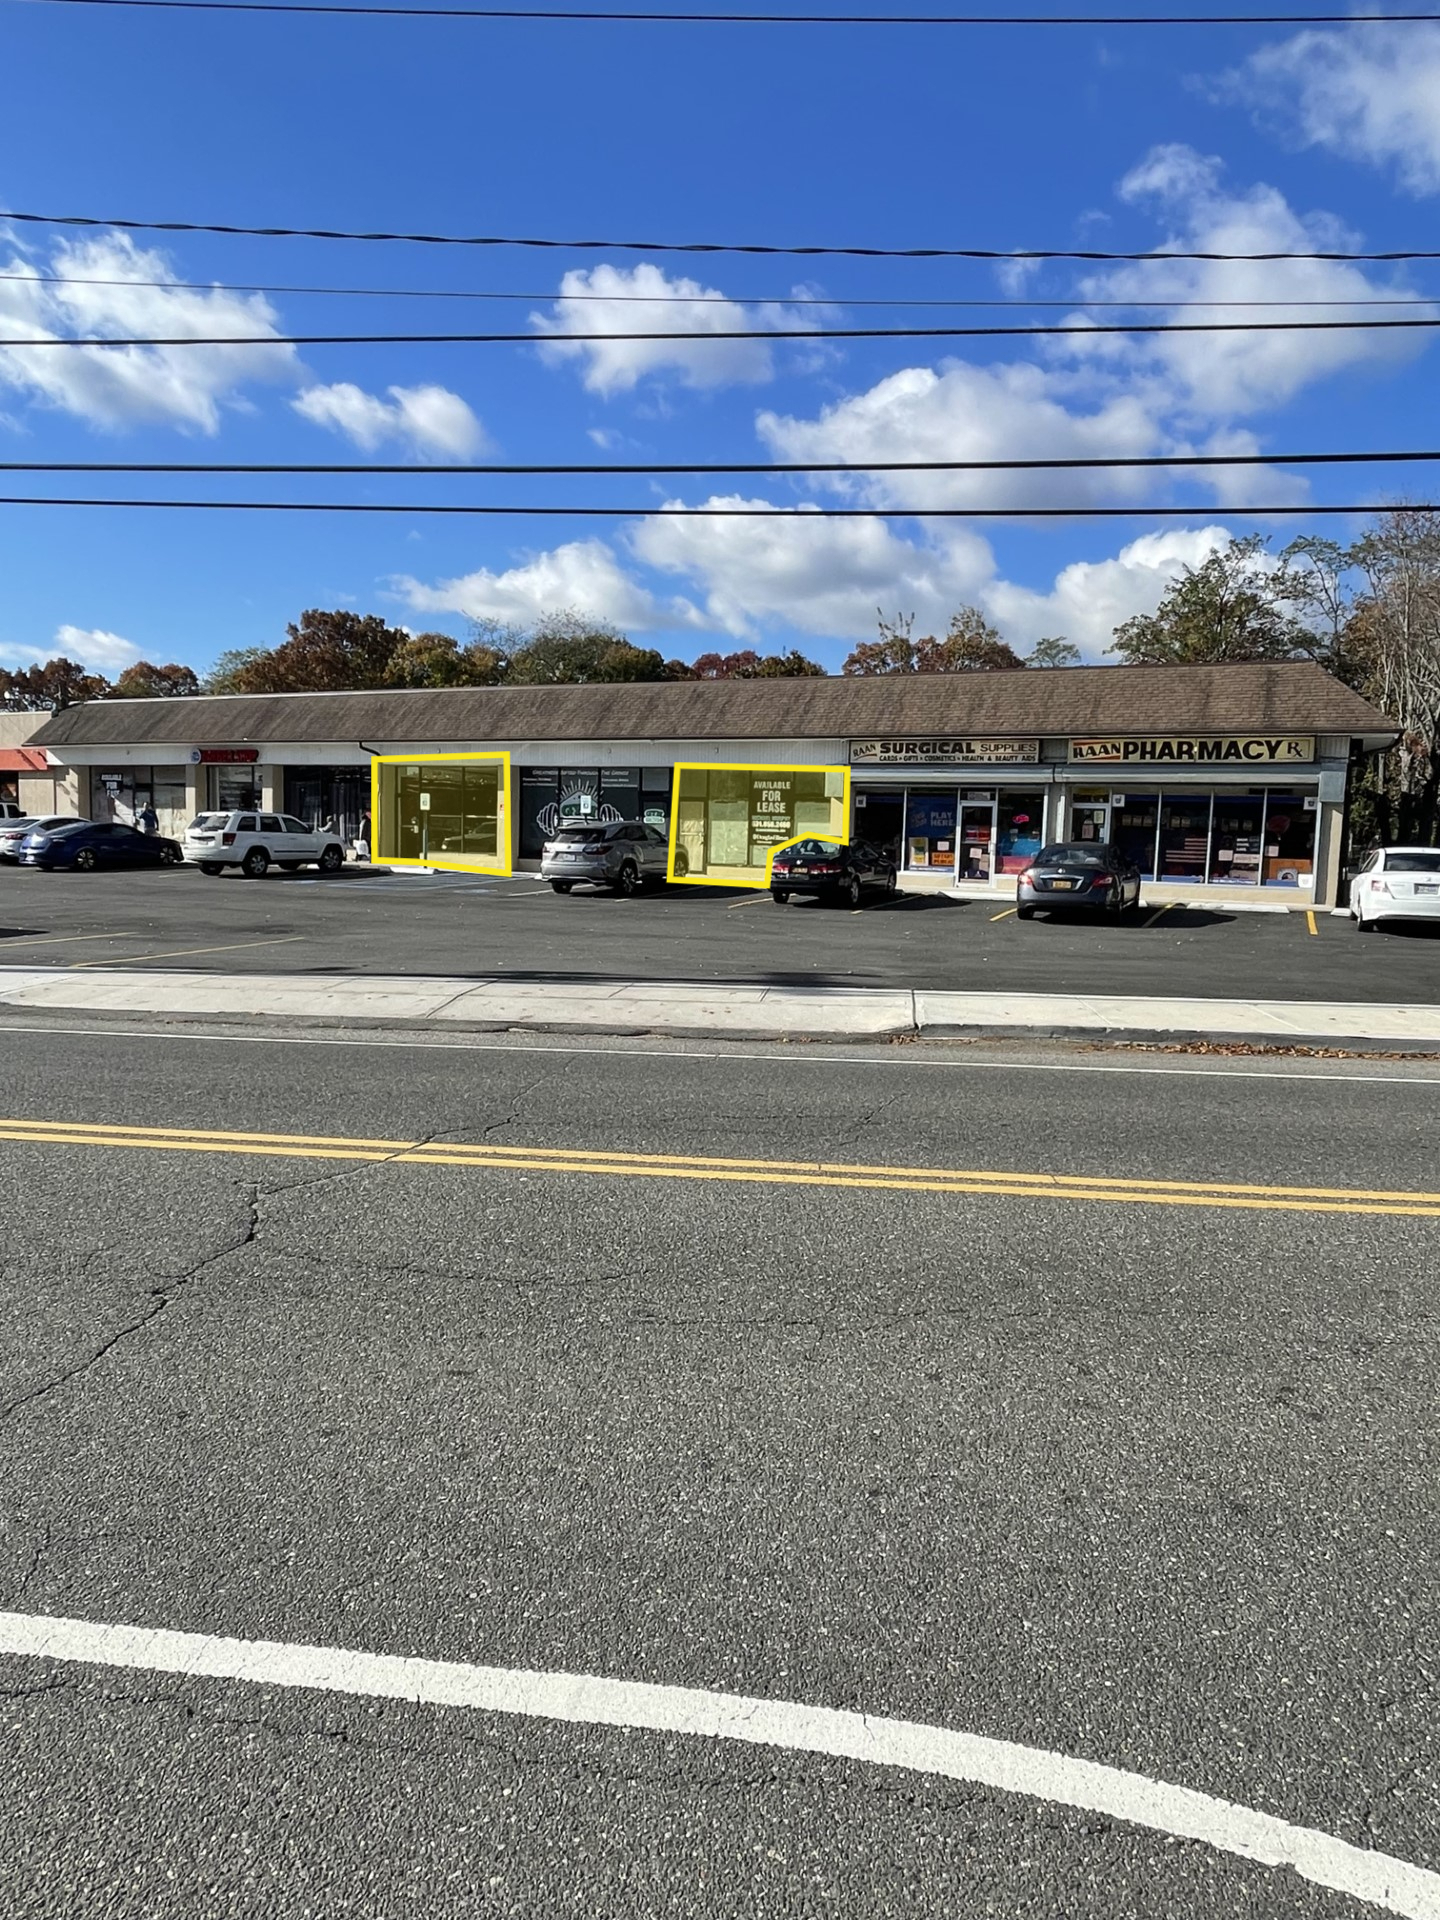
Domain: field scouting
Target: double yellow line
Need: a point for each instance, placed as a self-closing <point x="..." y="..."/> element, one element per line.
<point x="674" y="1166"/>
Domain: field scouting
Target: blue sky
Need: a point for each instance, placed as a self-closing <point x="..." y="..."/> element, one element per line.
<point x="1233" y="139"/>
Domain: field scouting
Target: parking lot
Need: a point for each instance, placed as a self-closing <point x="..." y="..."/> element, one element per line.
<point x="367" y="920"/>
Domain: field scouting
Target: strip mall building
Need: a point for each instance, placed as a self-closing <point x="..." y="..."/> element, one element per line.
<point x="1208" y="777"/>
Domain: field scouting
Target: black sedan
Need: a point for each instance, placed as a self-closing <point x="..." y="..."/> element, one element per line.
<point x="1075" y="875"/>
<point x="830" y="869"/>
<point x="88" y="844"/>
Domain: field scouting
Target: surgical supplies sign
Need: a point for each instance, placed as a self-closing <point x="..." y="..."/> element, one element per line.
<point x="1194" y="750"/>
<point x="943" y="752"/>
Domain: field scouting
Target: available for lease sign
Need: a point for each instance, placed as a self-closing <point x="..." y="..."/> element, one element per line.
<point x="1193" y="750"/>
<point x="943" y="753"/>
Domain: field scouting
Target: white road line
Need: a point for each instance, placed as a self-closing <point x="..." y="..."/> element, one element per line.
<point x="780" y="1056"/>
<point x="1396" y="1886"/>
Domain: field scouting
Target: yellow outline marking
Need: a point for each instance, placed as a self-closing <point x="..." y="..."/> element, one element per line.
<point x="744" y="766"/>
<point x="1310" y="922"/>
<point x="1002" y="916"/>
<point x="1165" y="909"/>
<point x="503" y="864"/>
<point x="660" y="1166"/>
<point x="179" y="953"/>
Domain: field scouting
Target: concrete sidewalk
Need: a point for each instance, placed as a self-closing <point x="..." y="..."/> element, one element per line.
<point x="745" y="1012"/>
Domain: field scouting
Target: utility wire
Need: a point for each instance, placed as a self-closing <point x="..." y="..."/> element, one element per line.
<point x="685" y="299"/>
<point x="715" y="333"/>
<point x="774" y="19"/>
<point x="1069" y="464"/>
<point x="802" y="514"/>
<point x="692" y="246"/>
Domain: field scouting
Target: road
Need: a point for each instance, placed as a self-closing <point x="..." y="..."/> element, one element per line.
<point x="1142" y="1475"/>
<point x="450" y="924"/>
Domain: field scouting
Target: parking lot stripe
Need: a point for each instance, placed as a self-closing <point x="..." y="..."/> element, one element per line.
<point x="661" y="1166"/>
<point x="1156" y="915"/>
<point x="702" y="1713"/>
<point x="62" y="940"/>
<point x="1001" y="916"/>
<point x="1310" y="923"/>
<point x="178" y="953"/>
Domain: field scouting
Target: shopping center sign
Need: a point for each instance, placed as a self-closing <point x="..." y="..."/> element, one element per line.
<point x="1250" y="749"/>
<point x="943" y="753"/>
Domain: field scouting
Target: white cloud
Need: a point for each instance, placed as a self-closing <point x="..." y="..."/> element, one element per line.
<point x="583" y="574"/>
<point x="816" y="575"/>
<point x="1371" y="96"/>
<point x="642" y="299"/>
<point x="1089" y="599"/>
<point x="428" y="420"/>
<point x="90" y="647"/>
<point x="117" y="387"/>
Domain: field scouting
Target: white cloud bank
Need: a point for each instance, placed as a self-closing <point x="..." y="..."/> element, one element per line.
<point x="90" y="647"/>
<point x="1371" y="95"/>
<point x="430" y="421"/>
<point x="117" y="387"/>
<point x="584" y="574"/>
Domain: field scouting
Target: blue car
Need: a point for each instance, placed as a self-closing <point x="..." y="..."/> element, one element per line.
<point x="88" y="844"/>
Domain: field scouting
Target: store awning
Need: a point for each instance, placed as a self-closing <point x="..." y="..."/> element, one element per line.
<point x="23" y="760"/>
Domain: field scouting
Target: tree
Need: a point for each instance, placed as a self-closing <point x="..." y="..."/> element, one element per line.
<point x="234" y="670"/>
<point x="1238" y="604"/>
<point x="1390" y="644"/>
<point x="1055" y="652"/>
<point x="144" y="682"/>
<point x="749" y="665"/>
<point x="49" y="686"/>
<point x="565" y="648"/>
<point x="438" y="660"/>
<point x="970" y="645"/>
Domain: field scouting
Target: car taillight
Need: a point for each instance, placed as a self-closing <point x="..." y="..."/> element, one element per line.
<point x="227" y="839"/>
<point x="1100" y="881"/>
<point x="1378" y="886"/>
<point x="1027" y="878"/>
<point x="780" y="866"/>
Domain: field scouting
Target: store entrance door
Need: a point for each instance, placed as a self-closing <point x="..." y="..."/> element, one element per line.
<point x="1090" y="820"/>
<point x="880" y="820"/>
<point x="975" y="857"/>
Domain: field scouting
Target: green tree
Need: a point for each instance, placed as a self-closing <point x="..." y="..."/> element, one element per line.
<point x="566" y="648"/>
<point x="1238" y="604"/>
<point x="49" y="686"/>
<point x="234" y="670"/>
<point x="145" y="682"/>
<point x="437" y="660"/>
<point x="970" y="645"/>
<point x="1054" y="652"/>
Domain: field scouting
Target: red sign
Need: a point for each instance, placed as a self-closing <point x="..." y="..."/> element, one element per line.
<point x="225" y="756"/>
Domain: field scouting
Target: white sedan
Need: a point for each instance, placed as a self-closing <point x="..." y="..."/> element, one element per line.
<point x="1396" y="883"/>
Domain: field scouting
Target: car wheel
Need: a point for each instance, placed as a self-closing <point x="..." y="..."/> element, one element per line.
<point x="85" y="860"/>
<point x="562" y="886"/>
<point x="331" y="860"/>
<point x="627" y="881"/>
<point x="682" y="863"/>
<point x="170" y="856"/>
<point x="1024" y="913"/>
<point x="851" y="893"/>
<point x="779" y="896"/>
<point x="210" y="867"/>
<point x="1362" y="925"/>
<point x="891" y="881"/>
<point x="255" y="864"/>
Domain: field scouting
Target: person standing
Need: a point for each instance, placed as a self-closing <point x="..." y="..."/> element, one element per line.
<point x="362" y="838"/>
<point x="147" y="819"/>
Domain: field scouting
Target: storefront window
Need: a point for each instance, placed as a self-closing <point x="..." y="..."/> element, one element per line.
<point x="1020" y="830"/>
<point x="1235" y="843"/>
<point x="446" y="811"/>
<point x="234" y="787"/>
<point x="880" y="821"/>
<point x="1184" y="836"/>
<point x="1290" y="841"/>
<point x="730" y="819"/>
<point x="1133" y="822"/>
<point x="930" y="830"/>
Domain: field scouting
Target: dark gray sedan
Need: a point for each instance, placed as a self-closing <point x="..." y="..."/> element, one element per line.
<point x="625" y="855"/>
<point x="1078" y="875"/>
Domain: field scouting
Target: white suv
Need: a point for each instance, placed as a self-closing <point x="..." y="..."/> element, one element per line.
<point x="254" y="841"/>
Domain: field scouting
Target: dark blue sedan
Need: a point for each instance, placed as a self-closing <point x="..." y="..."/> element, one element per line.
<point x="88" y="844"/>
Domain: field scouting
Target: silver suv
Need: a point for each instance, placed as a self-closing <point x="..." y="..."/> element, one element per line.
<point x="626" y="855"/>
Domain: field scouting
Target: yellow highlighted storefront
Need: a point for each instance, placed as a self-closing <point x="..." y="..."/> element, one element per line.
<point x="729" y="819"/>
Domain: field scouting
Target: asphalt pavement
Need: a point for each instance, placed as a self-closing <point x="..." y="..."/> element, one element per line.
<point x="370" y="921"/>
<point x="1142" y="1474"/>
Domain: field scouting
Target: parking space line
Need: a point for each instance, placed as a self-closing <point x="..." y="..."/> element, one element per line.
<point x="180" y="953"/>
<point x="1002" y="916"/>
<point x="1310" y="922"/>
<point x="64" y="939"/>
<point x="1156" y="915"/>
<point x="735" y="904"/>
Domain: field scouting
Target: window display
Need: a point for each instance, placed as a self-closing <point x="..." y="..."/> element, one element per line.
<point x="729" y="819"/>
<point x="930" y="830"/>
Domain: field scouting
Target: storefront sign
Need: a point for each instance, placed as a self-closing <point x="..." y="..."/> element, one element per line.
<point x="223" y="756"/>
<point x="1192" y="750"/>
<point x="943" y="753"/>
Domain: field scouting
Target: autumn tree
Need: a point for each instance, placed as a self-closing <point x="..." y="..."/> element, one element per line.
<point x="1391" y="648"/>
<point x="747" y="664"/>
<point x="1240" y="603"/>
<point x="145" y="682"/>
<point x="49" y="686"/>
<point x="438" y="660"/>
<point x="566" y="648"/>
<point x="970" y="645"/>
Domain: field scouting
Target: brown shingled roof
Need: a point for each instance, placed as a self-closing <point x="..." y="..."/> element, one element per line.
<point x="1293" y="696"/>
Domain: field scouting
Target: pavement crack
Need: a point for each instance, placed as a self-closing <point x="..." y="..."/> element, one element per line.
<point x="37" y="1555"/>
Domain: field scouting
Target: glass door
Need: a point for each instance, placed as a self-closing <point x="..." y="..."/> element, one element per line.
<point x="976" y="853"/>
<point x="1090" y="820"/>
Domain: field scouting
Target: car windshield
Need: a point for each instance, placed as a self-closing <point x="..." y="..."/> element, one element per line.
<point x="208" y="822"/>
<point x="823" y="848"/>
<point x="1418" y="860"/>
<point x="69" y="826"/>
<point x="1071" y="854"/>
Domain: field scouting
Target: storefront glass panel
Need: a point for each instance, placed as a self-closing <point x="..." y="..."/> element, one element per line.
<point x="1019" y="830"/>
<point x="1290" y="840"/>
<point x="730" y="819"/>
<point x="1133" y="826"/>
<point x="443" y="812"/>
<point x="1236" y="839"/>
<point x="929" y="830"/>
<point x="976" y="847"/>
<point x="1184" y="836"/>
<point x="880" y="821"/>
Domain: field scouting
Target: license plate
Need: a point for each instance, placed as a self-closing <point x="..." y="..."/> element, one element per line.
<point x="1429" y="889"/>
<point x="1062" y="885"/>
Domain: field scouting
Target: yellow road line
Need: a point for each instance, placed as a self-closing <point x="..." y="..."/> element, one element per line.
<point x="180" y="953"/>
<point x="1155" y="916"/>
<point x="62" y="940"/>
<point x="1001" y="916"/>
<point x="1310" y="923"/>
<point x="552" y="1160"/>
<point x="732" y="906"/>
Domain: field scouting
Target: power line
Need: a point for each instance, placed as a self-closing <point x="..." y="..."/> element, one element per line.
<point x="686" y="299"/>
<point x="694" y="246"/>
<point x="802" y="514"/>
<point x="771" y="19"/>
<point x="1089" y="463"/>
<point x="713" y="334"/>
